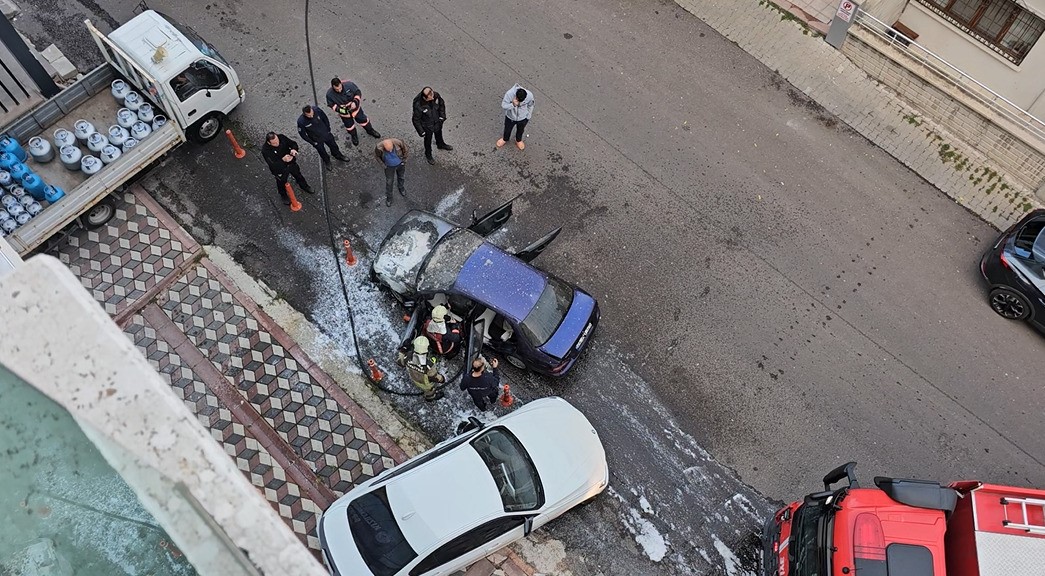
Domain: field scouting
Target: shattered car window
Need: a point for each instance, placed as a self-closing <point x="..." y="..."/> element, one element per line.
<point x="447" y="260"/>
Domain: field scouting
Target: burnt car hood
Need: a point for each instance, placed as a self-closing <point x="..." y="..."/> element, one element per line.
<point x="405" y="248"/>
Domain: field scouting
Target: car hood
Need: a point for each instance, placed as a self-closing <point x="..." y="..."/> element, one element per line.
<point x="405" y="248"/>
<point x="572" y="325"/>
<point x="564" y="467"/>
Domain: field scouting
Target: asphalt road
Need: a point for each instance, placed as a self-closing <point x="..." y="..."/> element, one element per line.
<point x="775" y="290"/>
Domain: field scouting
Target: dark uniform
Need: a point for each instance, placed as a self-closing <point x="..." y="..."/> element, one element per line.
<point x="428" y="118"/>
<point x="348" y="105"/>
<point x="316" y="131"/>
<point x="283" y="170"/>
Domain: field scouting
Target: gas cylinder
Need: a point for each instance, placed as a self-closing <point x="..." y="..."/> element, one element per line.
<point x="18" y="171"/>
<point x="133" y="101"/>
<point x="4" y="215"/>
<point x="7" y="160"/>
<point x="17" y="191"/>
<point x="96" y="141"/>
<point x="109" y="153"/>
<point x="53" y="194"/>
<point x="129" y="143"/>
<point x="26" y="200"/>
<point x="7" y="200"/>
<point x="70" y="157"/>
<point x="158" y="121"/>
<point x="118" y="135"/>
<point x="9" y="144"/>
<point x="15" y="209"/>
<point x="34" y="208"/>
<point x="5" y="179"/>
<point x="82" y="129"/>
<point x="63" y="138"/>
<point x="9" y="225"/>
<point x="126" y="118"/>
<point x="34" y="186"/>
<point x="120" y="90"/>
<point x="139" y="131"/>
<point x="90" y="165"/>
<point x="40" y="149"/>
<point x="23" y="218"/>
<point x="145" y="112"/>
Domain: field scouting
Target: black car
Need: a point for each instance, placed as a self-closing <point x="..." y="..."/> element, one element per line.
<point x="1015" y="271"/>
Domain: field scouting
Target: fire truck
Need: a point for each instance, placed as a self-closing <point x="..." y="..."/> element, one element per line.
<point x="901" y="527"/>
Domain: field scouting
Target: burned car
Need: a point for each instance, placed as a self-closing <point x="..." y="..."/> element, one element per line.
<point x="536" y="321"/>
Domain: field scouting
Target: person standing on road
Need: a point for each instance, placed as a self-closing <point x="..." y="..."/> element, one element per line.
<point x="314" y="128"/>
<point x="422" y="369"/>
<point x="429" y="115"/>
<point x="346" y="100"/>
<point x="280" y="153"/>
<point x="518" y="108"/>
<point x="482" y="384"/>
<point x="391" y="153"/>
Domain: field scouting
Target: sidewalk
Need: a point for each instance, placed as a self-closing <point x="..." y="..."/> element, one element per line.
<point x="289" y="427"/>
<point x="830" y="79"/>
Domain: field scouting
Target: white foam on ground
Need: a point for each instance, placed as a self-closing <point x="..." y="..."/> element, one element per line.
<point x="653" y="543"/>
<point x="729" y="559"/>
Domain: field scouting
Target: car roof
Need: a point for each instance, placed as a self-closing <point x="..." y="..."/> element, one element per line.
<point x="443" y="497"/>
<point x="500" y="281"/>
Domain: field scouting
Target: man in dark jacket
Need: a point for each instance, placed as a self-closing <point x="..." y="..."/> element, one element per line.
<point x="429" y="115"/>
<point x="346" y="100"/>
<point x="280" y="153"/>
<point x="314" y="128"/>
<point x="482" y="385"/>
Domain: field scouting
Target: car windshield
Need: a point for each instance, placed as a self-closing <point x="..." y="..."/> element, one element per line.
<point x="197" y="41"/>
<point x="378" y="538"/>
<point x="810" y="527"/>
<point x="446" y="260"/>
<point x="512" y="470"/>
<point x="548" y="312"/>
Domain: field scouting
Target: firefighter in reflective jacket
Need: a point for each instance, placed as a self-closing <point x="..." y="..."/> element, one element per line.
<point x="442" y="329"/>
<point x="422" y="369"/>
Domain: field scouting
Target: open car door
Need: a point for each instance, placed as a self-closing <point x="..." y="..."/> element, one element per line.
<point x="413" y="326"/>
<point x="475" y="342"/>
<point x="492" y="220"/>
<point x="534" y="250"/>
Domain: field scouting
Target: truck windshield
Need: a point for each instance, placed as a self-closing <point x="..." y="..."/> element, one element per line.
<point x="811" y="524"/>
<point x="197" y="41"/>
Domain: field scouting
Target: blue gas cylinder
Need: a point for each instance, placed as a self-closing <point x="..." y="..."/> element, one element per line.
<point x="7" y="160"/>
<point x="53" y="194"/>
<point x="9" y="144"/>
<point x="34" y="186"/>
<point x="18" y="171"/>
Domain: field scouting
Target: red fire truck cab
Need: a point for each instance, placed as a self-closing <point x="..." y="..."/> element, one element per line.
<point x="907" y="528"/>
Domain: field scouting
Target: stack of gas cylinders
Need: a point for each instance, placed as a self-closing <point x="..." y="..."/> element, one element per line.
<point x="24" y="191"/>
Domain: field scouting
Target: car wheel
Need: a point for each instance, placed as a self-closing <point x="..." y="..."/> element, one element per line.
<point x="1009" y="304"/>
<point x="206" y="129"/>
<point x="516" y="361"/>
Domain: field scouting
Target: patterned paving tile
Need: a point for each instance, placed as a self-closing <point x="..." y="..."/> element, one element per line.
<point x="297" y="510"/>
<point x="298" y="408"/>
<point x="121" y="261"/>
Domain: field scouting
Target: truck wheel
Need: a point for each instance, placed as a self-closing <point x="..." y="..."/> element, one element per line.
<point x="99" y="214"/>
<point x="206" y="129"/>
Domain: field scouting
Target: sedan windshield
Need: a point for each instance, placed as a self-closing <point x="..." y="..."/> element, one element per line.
<point x="540" y="324"/>
<point x="512" y="470"/>
<point x="807" y="539"/>
<point x="377" y="536"/>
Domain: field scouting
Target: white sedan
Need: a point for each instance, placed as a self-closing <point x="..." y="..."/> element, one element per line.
<point x="467" y="497"/>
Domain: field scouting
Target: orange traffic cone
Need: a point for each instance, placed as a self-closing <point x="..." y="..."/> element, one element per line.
<point x="506" y="399"/>
<point x="375" y="373"/>
<point x="237" y="150"/>
<point x="350" y="257"/>
<point x="294" y="204"/>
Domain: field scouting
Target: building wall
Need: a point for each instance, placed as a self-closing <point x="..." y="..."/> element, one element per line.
<point x="1024" y="85"/>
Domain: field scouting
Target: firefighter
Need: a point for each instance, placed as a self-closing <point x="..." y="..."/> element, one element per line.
<point x="442" y="329"/>
<point x="346" y="100"/>
<point x="422" y="369"/>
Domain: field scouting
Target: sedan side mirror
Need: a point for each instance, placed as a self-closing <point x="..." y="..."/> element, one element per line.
<point x="527" y="525"/>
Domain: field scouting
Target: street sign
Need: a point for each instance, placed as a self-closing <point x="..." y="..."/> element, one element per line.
<point x="840" y="23"/>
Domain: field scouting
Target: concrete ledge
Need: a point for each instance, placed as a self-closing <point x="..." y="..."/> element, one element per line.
<point x="9" y="9"/>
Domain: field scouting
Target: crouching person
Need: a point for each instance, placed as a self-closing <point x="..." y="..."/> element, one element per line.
<point x="422" y="369"/>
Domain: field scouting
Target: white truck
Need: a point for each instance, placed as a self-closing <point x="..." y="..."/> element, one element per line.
<point x="171" y="66"/>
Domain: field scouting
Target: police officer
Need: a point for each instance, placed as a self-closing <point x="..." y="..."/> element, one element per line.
<point x="280" y="153"/>
<point x="346" y="100"/>
<point x="314" y="128"/>
<point x="428" y="117"/>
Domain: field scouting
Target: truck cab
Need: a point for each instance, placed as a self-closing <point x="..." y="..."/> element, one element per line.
<point x="184" y="73"/>
<point x="903" y="527"/>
